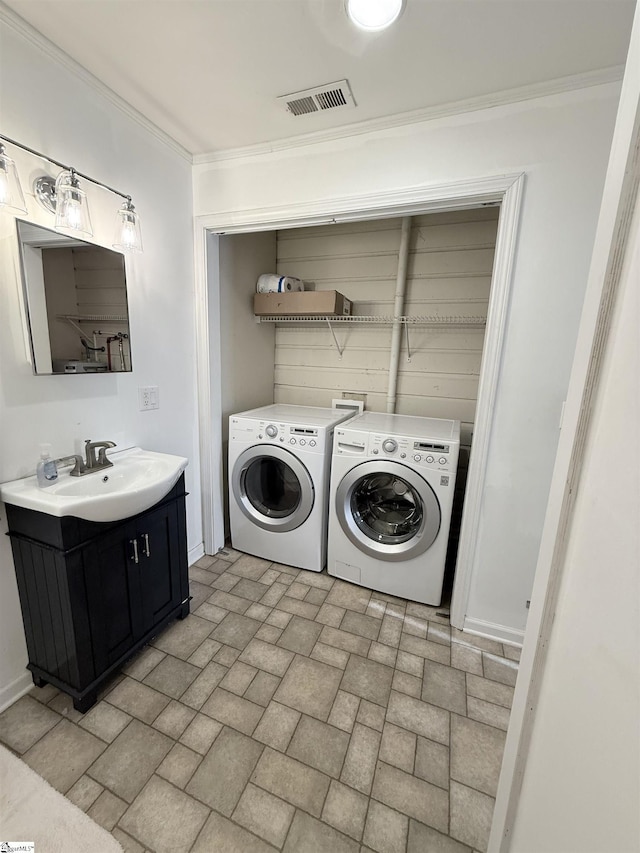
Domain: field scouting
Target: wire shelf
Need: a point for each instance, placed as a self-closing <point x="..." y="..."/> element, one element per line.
<point x="92" y="318"/>
<point x="427" y="320"/>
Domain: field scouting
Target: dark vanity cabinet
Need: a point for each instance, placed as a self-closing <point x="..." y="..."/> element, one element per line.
<point x="93" y="593"/>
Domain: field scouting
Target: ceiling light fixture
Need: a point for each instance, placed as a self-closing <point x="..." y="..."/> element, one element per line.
<point x="64" y="197"/>
<point x="374" y="15"/>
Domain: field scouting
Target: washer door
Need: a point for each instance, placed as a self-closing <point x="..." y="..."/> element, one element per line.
<point x="272" y="488"/>
<point x="388" y="510"/>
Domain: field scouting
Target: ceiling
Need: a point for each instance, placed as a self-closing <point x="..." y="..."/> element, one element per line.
<point x="208" y="72"/>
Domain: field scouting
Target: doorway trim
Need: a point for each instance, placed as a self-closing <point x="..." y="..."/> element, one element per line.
<point x="504" y="190"/>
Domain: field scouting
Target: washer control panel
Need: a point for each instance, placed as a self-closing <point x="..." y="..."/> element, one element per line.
<point x="303" y="437"/>
<point x="439" y="456"/>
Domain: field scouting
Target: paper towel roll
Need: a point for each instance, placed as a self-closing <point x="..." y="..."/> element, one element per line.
<point x="272" y="283"/>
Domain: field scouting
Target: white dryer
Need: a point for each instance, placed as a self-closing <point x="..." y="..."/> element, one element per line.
<point x="279" y="460"/>
<point x="391" y="495"/>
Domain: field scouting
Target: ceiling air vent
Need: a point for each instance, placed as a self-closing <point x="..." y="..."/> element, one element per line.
<point x="331" y="96"/>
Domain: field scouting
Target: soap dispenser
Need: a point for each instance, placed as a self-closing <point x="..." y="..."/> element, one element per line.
<point x="46" y="469"/>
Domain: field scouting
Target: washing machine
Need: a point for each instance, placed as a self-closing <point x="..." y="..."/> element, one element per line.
<point x="279" y="461"/>
<point x="391" y="495"/>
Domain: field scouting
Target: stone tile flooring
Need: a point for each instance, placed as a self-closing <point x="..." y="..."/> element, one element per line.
<point x="290" y="711"/>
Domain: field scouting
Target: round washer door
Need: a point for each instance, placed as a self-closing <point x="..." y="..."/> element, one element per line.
<point x="272" y="488"/>
<point x="388" y="510"/>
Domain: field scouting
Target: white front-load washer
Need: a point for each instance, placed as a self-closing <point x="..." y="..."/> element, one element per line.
<point x="279" y="460"/>
<point x="391" y="495"/>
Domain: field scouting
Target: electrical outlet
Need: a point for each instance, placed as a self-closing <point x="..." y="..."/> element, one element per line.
<point x="148" y="397"/>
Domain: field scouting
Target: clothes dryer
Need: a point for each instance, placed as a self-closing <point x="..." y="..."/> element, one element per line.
<point x="279" y="460"/>
<point x="391" y="495"/>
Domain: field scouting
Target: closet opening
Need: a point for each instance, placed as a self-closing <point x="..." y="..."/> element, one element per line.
<point x="453" y="308"/>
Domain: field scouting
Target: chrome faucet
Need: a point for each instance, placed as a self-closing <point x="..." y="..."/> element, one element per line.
<point x="79" y="468"/>
<point x="93" y="463"/>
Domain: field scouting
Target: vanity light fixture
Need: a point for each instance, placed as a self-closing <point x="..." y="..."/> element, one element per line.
<point x="128" y="237"/>
<point x="11" y="197"/>
<point x="72" y="210"/>
<point x="373" y="15"/>
<point x="64" y="197"/>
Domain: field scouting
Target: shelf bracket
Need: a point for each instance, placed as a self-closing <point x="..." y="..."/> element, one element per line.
<point x="335" y="340"/>
<point x="406" y="334"/>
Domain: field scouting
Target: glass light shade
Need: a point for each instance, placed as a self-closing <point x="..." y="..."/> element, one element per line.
<point x="374" y="14"/>
<point x="11" y="197"/>
<point x="72" y="210"/>
<point x="128" y="237"/>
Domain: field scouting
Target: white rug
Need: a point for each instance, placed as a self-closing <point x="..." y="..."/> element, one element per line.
<point x="31" y="810"/>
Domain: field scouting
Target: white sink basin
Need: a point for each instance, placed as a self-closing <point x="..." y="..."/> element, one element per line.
<point x="138" y="480"/>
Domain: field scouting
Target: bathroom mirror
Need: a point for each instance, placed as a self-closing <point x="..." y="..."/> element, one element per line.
<point x="76" y="302"/>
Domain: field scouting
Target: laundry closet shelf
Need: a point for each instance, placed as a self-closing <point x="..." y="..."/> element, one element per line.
<point x="428" y="320"/>
<point x="91" y="318"/>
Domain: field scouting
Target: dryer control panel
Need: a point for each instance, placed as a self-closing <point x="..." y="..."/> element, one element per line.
<point x="420" y="453"/>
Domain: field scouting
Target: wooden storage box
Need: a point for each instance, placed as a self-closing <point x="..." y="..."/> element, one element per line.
<point x="306" y="302"/>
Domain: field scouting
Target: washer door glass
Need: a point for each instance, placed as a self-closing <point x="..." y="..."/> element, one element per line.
<point x="272" y="487"/>
<point x="388" y="510"/>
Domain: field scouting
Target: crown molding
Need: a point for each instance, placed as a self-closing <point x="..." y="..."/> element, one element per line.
<point x="30" y="34"/>
<point x="589" y="79"/>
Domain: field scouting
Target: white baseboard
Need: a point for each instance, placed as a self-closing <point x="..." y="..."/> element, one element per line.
<point x="494" y="631"/>
<point x="12" y="692"/>
<point x="195" y="553"/>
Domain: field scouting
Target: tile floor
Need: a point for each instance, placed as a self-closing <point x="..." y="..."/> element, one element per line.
<point x="290" y="711"/>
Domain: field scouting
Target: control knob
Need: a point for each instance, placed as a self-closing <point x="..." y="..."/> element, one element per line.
<point x="271" y="431"/>
<point x="417" y="458"/>
<point x="429" y="459"/>
<point x="389" y="445"/>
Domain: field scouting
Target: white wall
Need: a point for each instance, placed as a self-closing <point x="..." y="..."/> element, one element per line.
<point x="581" y="785"/>
<point x="46" y="106"/>
<point x="561" y="142"/>
<point x="246" y="347"/>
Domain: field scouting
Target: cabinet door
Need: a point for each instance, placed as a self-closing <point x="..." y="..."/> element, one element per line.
<point x="114" y="596"/>
<point x="160" y="564"/>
